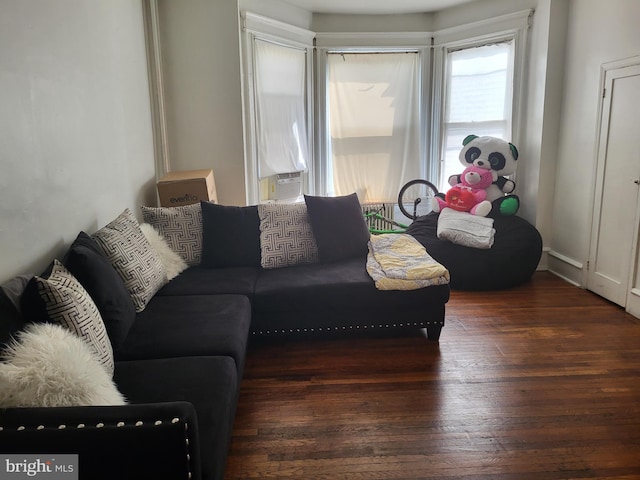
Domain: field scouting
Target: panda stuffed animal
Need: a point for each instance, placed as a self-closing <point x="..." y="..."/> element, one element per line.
<point x="500" y="157"/>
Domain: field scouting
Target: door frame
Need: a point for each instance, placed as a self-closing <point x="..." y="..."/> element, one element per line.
<point x="608" y="70"/>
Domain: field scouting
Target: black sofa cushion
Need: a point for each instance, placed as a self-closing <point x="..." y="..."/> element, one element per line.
<point x="326" y="299"/>
<point x="94" y="271"/>
<point x="230" y="236"/>
<point x="339" y="227"/>
<point x="511" y="260"/>
<point x="190" y="325"/>
<point x="334" y="286"/>
<point x="210" y="383"/>
<point x="212" y="281"/>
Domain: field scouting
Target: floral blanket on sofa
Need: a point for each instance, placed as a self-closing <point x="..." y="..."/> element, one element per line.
<point x="400" y="262"/>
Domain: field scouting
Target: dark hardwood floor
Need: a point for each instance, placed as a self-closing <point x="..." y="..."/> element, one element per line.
<point x="538" y="382"/>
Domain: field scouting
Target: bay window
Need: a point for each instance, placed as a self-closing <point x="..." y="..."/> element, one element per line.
<point x="385" y="108"/>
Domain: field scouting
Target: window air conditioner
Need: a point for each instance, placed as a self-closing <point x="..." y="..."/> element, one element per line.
<point x="285" y="186"/>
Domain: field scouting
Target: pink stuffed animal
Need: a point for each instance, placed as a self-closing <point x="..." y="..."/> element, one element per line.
<point x="470" y="194"/>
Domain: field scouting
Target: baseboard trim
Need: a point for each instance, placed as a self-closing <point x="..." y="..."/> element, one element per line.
<point x="563" y="258"/>
<point x="567" y="268"/>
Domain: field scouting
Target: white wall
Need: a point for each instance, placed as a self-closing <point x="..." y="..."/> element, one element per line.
<point x="598" y="32"/>
<point x="76" y="143"/>
<point x="417" y="22"/>
<point x="478" y="10"/>
<point x="540" y="130"/>
<point x="278" y="10"/>
<point x="201" y="66"/>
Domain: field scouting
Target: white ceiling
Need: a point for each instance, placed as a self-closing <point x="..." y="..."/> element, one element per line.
<point x="375" y="7"/>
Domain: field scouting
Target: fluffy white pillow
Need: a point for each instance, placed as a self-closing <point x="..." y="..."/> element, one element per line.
<point x="172" y="262"/>
<point x="50" y="366"/>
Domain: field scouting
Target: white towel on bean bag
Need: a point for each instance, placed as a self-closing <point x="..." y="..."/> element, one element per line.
<point x="465" y="229"/>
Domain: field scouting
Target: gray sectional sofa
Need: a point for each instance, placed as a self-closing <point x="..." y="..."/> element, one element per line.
<point x="178" y="348"/>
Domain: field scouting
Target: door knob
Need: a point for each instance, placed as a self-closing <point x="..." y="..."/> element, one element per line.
<point x="637" y="181"/>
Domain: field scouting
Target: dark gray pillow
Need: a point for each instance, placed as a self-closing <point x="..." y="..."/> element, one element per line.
<point x="230" y="236"/>
<point x="11" y="321"/>
<point x="94" y="271"/>
<point x="338" y="226"/>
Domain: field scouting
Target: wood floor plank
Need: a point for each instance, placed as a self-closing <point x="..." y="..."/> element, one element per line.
<point x="538" y="382"/>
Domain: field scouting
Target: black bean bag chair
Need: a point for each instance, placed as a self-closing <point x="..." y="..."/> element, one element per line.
<point x="511" y="260"/>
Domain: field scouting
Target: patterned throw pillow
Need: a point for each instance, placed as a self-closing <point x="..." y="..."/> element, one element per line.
<point x="67" y="303"/>
<point x="131" y="254"/>
<point x="181" y="227"/>
<point x="286" y="237"/>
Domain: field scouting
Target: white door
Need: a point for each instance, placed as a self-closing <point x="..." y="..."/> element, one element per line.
<point x="614" y="237"/>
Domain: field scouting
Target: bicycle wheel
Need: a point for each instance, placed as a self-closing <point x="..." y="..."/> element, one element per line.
<point x="416" y="198"/>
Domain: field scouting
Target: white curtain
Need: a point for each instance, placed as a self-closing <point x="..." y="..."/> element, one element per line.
<point x="373" y="120"/>
<point x="280" y="96"/>
<point x="479" y="86"/>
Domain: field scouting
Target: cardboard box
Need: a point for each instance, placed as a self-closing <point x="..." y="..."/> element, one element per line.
<point x="186" y="187"/>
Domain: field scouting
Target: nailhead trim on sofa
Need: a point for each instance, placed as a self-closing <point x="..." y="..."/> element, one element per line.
<point x="156" y="423"/>
<point x="343" y="327"/>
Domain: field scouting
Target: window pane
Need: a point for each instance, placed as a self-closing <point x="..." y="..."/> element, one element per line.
<point x="373" y="105"/>
<point x="280" y="79"/>
<point x="479" y="91"/>
<point x="454" y="135"/>
<point x="477" y="83"/>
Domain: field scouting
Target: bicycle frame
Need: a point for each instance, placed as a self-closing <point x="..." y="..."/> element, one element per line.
<point x="378" y="231"/>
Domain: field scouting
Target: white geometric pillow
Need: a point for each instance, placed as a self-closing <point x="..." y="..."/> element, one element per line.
<point x="286" y="237"/>
<point x="131" y="254"/>
<point x="68" y="304"/>
<point x="181" y="227"/>
<point x="49" y="366"/>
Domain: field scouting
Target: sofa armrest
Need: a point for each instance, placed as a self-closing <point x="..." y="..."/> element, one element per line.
<point x="154" y="440"/>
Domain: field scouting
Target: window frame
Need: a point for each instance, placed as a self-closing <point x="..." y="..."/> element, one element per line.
<point x="446" y="82"/>
<point x="512" y="27"/>
<point x="256" y="27"/>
